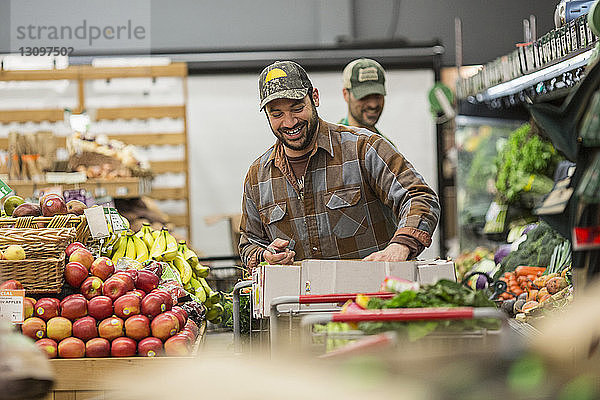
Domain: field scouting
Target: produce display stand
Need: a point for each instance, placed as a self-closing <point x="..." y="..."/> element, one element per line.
<point x="89" y="378"/>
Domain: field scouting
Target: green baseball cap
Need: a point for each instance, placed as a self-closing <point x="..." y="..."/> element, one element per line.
<point x="282" y="80"/>
<point x="364" y="77"/>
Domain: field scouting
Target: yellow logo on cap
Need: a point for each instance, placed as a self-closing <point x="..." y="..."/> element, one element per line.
<point x="275" y="73"/>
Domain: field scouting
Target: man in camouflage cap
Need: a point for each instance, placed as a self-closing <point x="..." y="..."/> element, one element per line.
<point x="364" y="91"/>
<point x="328" y="191"/>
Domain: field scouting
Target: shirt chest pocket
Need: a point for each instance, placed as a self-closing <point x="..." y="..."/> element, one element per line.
<point x="272" y="214"/>
<point x="347" y="214"/>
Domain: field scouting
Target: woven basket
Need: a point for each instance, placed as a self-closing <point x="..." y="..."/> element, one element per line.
<point x="44" y="240"/>
<point x="58" y="221"/>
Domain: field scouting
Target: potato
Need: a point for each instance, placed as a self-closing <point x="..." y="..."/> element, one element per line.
<point x="555" y="285"/>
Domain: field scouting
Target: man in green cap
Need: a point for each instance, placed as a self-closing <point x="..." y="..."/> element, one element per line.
<point x="327" y="191"/>
<point x="364" y="91"/>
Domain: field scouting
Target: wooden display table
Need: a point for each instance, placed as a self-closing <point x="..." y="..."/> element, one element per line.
<point x="90" y="378"/>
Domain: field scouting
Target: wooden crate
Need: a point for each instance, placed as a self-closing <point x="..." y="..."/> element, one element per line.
<point x="89" y="378"/>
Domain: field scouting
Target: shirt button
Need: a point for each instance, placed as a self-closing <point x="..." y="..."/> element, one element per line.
<point x="315" y="249"/>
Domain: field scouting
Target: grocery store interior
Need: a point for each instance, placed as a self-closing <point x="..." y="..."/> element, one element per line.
<point x="353" y="197"/>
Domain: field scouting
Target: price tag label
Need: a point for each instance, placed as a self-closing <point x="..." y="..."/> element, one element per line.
<point x="5" y="190"/>
<point x="12" y="305"/>
<point x="115" y="220"/>
<point x="97" y="222"/>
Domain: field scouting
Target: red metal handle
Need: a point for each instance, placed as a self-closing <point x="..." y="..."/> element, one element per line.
<point x="339" y="297"/>
<point x="405" y="314"/>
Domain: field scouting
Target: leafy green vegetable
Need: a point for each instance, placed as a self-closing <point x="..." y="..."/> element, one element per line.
<point x="536" y="251"/>
<point x="524" y="165"/>
<point x="443" y="294"/>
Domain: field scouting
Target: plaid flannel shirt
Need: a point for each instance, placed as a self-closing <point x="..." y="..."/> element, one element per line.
<point x="359" y="193"/>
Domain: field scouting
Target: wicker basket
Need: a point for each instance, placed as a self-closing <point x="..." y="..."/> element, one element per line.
<point x="44" y="240"/>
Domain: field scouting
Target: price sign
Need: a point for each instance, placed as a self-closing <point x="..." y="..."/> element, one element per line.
<point x="11" y="305"/>
<point x="5" y="190"/>
<point x="115" y="220"/>
<point x="96" y="222"/>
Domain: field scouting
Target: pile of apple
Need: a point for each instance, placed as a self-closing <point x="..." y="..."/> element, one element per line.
<point x="117" y="314"/>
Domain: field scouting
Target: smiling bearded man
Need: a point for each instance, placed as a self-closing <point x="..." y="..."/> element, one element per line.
<point x="328" y="191"/>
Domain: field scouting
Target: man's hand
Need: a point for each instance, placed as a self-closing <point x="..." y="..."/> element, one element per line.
<point x="394" y="252"/>
<point x="283" y="256"/>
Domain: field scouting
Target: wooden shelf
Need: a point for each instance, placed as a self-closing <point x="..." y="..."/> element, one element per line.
<point x="76" y="72"/>
<point x="140" y="112"/>
<point x="162" y="167"/>
<point x="52" y="115"/>
<point x="121" y="188"/>
<point x="169" y="193"/>
<point x="150" y="139"/>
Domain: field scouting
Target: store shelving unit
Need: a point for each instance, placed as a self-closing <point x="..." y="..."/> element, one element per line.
<point x="84" y="73"/>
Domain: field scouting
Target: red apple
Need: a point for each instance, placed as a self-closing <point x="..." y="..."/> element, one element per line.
<point x="91" y="287"/>
<point x="188" y="335"/>
<point x="138" y="292"/>
<point x="152" y="305"/>
<point x="181" y="315"/>
<point x="137" y="327"/>
<point x="177" y="346"/>
<point x="82" y="256"/>
<point x="133" y="274"/>
<point x="53" y="205"/>
<point x="85" y="328"/>
<point x="34" y="328"/>
<point x="115" y="287"/>
<point x="75" y="274"/>
<point x="48" y="346"/>
<point x="97" y="347"/>
<point x="146" y="281"/>
<point x="11" y="284"/>
<point x="127" y="305"/>
<point x="47" y="308"/>
<point x="58" y="328"/>
<point x="72" y="247"/>
<point x="103" y="268"/>
<point x="127" y="278"/>
<point x="150" y="347"/>
<point x="168" y="299"/>
<point x="71" y="347"/>
<point x="71" y="296"/>
<point x="191" y="325"/>
<point x="74" y="307"/>
<point x="164" y="325"/>
<point x="110" y="328"/>
<point x="100" y="307"/>
<point x="29" y="307"/>
<point x="123" y="347"/>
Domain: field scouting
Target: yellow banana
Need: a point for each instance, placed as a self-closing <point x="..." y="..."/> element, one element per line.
<point x="147" y="236"/>
<point x="185" y="271"/>
<point x="201" y="271"/>
<point x="170" y="247"/>
<point x="158" y="248"/>
<point x="190" y="256"/>
<point x="131" y="251"/>
<point x="200" y="294"/>
<point x="141" y="251"/>
<point x="155" y="234"/>
<point x="119" y="249"/>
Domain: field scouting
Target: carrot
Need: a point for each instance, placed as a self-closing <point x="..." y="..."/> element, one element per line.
<point x="526" y="270"/>
<point x="532" y="277"/>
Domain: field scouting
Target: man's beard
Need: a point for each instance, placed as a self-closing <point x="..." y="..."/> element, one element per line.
<point x="302" y="142"/>
<point x="358" y="117"/>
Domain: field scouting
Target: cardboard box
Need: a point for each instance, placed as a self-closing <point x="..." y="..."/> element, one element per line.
<point x="429" y="272"/>
<point x="270" y="281"/>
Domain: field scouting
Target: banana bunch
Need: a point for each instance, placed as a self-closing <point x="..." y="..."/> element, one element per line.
<point x="146" y="234"/>
<point x="131" y="246"/>
<point x="210" y="298"/>
<point x="164" y="247"/>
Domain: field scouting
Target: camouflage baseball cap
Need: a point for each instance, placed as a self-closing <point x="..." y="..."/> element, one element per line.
<point x="282" y="80"/>
<point x="364" y="77"/>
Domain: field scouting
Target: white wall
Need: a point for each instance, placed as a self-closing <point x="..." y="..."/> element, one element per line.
<point x="227" y="132"/>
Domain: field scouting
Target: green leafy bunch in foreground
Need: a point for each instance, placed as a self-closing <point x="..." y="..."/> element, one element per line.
<point x="443" y="294"/>
<point x="524" y="164"/>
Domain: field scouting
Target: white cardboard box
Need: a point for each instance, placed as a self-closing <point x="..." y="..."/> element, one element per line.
<point x="429" y="272"/>
<point x="270" y="281"/>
